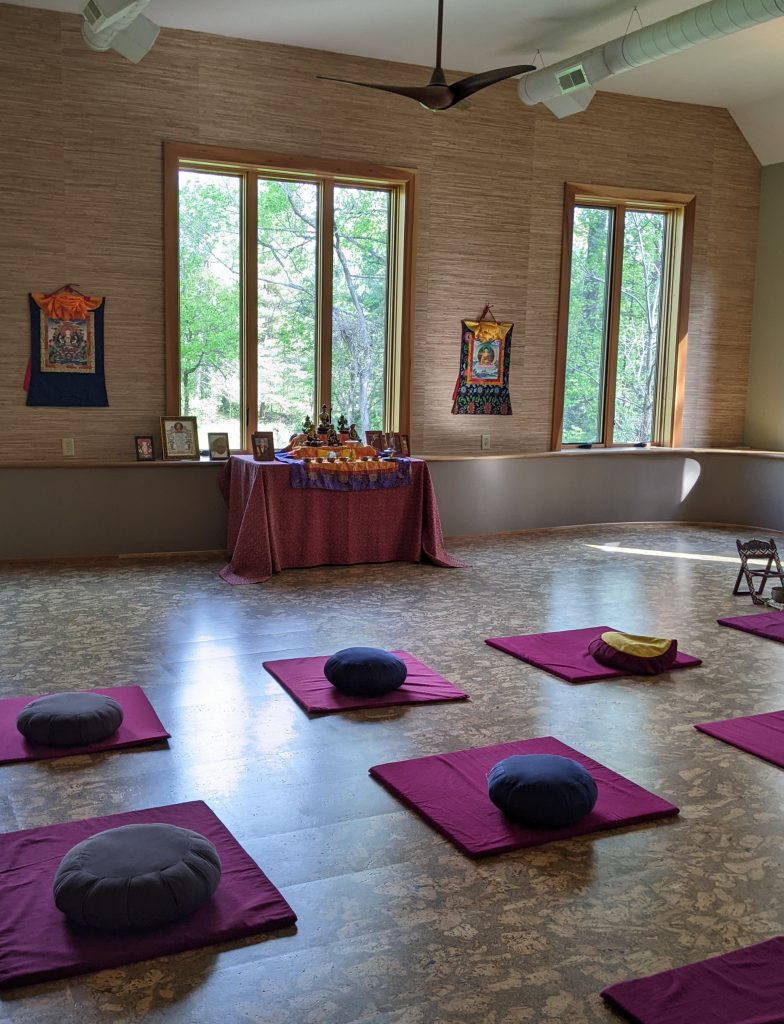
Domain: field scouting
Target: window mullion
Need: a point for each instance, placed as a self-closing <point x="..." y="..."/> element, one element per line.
<point x="250" y="296"/>
<point x="613" y="321"/>
<point x="326" y="224"/>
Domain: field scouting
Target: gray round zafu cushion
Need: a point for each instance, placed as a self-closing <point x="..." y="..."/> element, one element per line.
<point x="70" y="719"/>
<point x="365" y="671"/>
<point x="136" y="876"/>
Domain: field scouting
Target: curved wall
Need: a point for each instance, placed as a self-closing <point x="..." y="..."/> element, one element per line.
<point x="51" y="512"/>
<point x="495" y="495"/>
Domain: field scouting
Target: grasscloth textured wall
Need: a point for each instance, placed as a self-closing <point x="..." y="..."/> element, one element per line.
<point x="81" y="200"/>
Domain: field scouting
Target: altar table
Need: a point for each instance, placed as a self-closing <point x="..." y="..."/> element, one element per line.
<point x="273" y="526"/>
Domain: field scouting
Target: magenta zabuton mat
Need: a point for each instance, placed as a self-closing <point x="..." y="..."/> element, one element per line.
<point x="450" y="792"/>
<point x="745" y="986"/>
<point x="565" y="654"/>
<point x="762" y="735"/>
<point x="767" y="624"/>
<point x="37" y="943"/>
<point x="305" y="680"/>
<point x="140" y="725"/>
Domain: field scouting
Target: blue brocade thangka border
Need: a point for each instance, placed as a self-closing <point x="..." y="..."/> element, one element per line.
<point x="314" y="475"/>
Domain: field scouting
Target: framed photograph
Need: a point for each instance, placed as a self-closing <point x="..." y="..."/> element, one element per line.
<point x="402" y="446"/>
<point x="376" y="439"/>
<point x="145" y="450"/>
<point x="179" y="437"/>
<point x="218" y="447"/>
<point x="263" y="446"/>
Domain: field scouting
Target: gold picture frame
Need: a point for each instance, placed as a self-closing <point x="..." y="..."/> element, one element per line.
<point x="180" y="437"/>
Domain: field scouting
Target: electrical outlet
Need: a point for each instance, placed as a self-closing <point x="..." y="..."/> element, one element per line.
<point x="68" y="446"/>
<point x="485" y="442"/>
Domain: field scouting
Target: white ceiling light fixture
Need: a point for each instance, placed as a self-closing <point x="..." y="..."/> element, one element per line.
<point x="119" y="25"/>
<point x="569" y="86"/>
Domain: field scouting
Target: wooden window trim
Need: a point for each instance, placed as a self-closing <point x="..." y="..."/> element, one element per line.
<point x="252" y="165"/>
<point x="683" y="205"/>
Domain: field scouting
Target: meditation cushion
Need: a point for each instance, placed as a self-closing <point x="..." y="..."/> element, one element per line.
<point x="638" y="655"/>
<point x="365" y="672"/>
<point x="542" y="790"/>
<point x="70" y="719"/>
<point x="136" y="876"/>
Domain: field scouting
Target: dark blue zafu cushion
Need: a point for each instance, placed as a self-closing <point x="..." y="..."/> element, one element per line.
<point x="365" y="672"/>
<point x="136" y="876"/>
<point x="70" y="719"/>
<point x="542" y="790"/>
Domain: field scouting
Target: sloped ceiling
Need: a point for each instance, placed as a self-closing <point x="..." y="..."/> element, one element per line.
<point x="744" y="72"/>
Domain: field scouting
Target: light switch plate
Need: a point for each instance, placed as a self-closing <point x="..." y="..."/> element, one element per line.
<point x="485" y="442"/>
<point x="68" y="446"/>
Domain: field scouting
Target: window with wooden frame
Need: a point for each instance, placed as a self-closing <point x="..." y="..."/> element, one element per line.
<point x="288" y="284"/>
<point x="623" y="317"/>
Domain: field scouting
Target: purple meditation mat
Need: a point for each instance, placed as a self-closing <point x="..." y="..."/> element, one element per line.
<point x="745" y="986"/>
<point x="305" y="680"/>
<point x="140" y="725"/>
<point x="767" y="624"/>
<point x="450" y="792"/>
<point x="762" y="735"/>
<point x="565" y="654"/>
<point x="37" y="943"/>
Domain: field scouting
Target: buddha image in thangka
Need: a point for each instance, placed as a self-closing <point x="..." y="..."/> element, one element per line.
<point x="486" y="353"/>
<point x="67" y="345"/>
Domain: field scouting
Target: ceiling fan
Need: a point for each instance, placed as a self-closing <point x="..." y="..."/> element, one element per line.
<point x="438" y="94"/>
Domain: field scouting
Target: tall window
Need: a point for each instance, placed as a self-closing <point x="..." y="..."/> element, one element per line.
<point x="287" y="289"/>
<point x="623" y="321"/>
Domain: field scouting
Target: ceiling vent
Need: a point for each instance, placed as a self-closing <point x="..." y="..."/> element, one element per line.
<point x="555" y="85"/>
<point x="572" y="78"/>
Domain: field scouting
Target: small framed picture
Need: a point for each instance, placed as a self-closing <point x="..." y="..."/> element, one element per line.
<point x="263" y="446"/>
<point x="145" y="450"/>
<point x="401" y="445"/>
<point x="218" y="447"/>
<point x="179" y="437"/>
<point x="376" y="439"/>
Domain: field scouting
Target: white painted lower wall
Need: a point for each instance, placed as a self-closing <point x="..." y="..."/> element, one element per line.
<point x="56" y="512"/>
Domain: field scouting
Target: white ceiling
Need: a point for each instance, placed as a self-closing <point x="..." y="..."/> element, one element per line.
<point x="743" y="72"/>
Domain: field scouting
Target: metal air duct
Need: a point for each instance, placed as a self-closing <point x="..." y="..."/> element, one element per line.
<point x="569" y="86"/>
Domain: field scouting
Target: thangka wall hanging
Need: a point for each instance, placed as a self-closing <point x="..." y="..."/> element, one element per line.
<point x="483" y="384"/>
<point x="66" y="349"/>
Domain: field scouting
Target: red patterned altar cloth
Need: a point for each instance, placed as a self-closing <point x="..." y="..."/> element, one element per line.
<point x="273" y="526"/>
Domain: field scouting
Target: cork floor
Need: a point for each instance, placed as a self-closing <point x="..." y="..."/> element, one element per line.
<point x="395" y="925"/>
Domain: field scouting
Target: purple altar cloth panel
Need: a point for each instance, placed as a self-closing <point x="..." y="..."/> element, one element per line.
<point x="767" y="624"/>
<point x="304" y="679"/>
<point x="762" y="735"/>
<point x="274" y="526"/>
<point x="140" y="725"/>
<point x="565" y="654"/>
<point x="37" y="943"/>
<point x="745" y="986"/>
<point x="450" y="792"/>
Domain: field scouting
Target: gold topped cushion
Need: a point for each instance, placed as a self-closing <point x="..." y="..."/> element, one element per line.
<point x="639" y="646"/>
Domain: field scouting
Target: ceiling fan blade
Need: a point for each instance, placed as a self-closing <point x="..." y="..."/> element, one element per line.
<point x="419" y="93"/>
<point x="468" y="86"/>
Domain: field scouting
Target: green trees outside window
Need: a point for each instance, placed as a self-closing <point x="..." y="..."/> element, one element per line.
<point x="613" y="369"/>
<point x="265" y="353"/>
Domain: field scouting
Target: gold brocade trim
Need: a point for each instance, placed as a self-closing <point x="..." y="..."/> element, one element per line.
<point x="486" y="349"/>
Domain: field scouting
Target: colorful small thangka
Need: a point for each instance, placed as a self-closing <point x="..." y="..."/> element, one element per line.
<point x="66" y="355"/>
<point x="483" y="384"/>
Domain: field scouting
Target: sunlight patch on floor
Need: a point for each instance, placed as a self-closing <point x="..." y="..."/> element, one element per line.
<point x="691" y="555"/>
